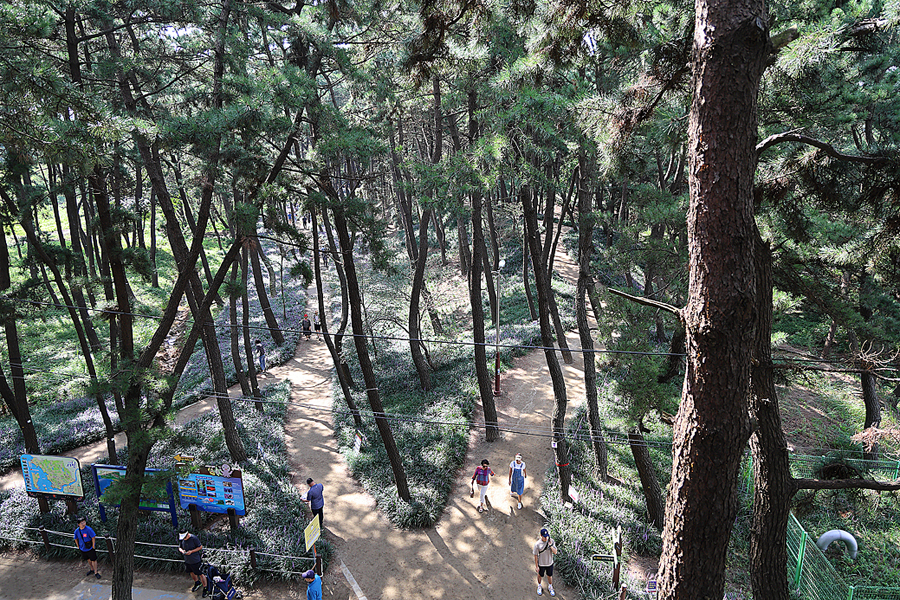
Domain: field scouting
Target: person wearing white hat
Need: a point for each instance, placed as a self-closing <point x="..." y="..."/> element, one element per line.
<point x="517" y="478"/>
<point x="189" y="545"/>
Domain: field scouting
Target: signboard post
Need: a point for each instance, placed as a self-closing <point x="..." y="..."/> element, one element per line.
<point x="107" y="475"/>
<point x="53" y="478"/>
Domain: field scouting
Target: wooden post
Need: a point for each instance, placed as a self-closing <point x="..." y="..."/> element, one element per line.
<point x="252" y="557"/>
<point x="71" y="507"/>
<point x="195" y="517"/>
<point x="45" y="538"/>
<point x="110" y="550"/>
<point x="318" y="566"/>
<point x="233" y="519"/>
<point x="44" y="505"/>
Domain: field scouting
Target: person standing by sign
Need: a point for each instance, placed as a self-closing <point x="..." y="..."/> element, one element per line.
<point x="544" y="551"/>
<point x="517" y="478"/>
<point x="189" y="545"/>
<point x="87" y="543"/>
<point x="315" y="499"/>
<point x="313" y="585"/>
<point x="482" y="477"/>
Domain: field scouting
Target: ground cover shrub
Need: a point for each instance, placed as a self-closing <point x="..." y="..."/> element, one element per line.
<point x="275" y="516"/>
<point x="73" y="420"/>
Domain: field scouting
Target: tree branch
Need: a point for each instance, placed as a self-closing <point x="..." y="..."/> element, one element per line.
<point x="792" y="136"/>
<point x="843" y="484"/>
<point x="647" y="302"/>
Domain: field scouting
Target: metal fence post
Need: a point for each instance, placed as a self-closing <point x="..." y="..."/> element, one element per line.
<point x="800" y="554"/>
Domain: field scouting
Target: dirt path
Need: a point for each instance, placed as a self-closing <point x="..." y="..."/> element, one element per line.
<point x="466" y="555"/>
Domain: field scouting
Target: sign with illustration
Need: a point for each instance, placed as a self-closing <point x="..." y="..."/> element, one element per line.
<point x="156" y="495"/>
<point x="213" y="489"/>
<point x="53" y="477"/>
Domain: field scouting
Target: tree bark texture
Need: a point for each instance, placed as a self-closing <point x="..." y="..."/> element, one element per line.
<point x="653" y="497"/>
<point x="773" y="488"/>
<point x="712" y="426"/>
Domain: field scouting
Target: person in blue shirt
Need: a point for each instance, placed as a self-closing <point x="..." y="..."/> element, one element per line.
<point x="314" y="585"/>
<point x="87" y="543"/>
<point x="315" y="500"/>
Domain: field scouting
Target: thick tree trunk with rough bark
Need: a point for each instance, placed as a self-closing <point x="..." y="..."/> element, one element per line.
<point x="418" y="283"/>
<point x="772" y="482"/>
<point x="653" y="497"/>
<point x="712" y="426"/>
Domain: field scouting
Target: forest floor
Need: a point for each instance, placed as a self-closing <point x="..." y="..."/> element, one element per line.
<point x="465" y="555"/>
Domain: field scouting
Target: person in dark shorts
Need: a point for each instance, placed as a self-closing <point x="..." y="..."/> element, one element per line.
<point x="306" y="326"/>
<point x="189" y="545"/>
<point x="87" y="543"/>
<point x="544" y="551"/>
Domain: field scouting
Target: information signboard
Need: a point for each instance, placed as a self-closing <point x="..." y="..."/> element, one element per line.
<point x="53" y="477"/>
<point x="312" y="533"/>
<point x="213" y="489"/>
<point x="160" y="500"/>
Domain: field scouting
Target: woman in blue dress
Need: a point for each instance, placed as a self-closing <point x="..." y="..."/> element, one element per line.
<point x="517" y="478"/>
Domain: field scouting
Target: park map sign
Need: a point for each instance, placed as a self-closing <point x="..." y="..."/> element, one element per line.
<point x="52" y="477"/>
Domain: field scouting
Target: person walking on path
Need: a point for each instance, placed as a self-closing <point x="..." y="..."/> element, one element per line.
<point x="189" y="545"/>
<point x="544" y="551"/>
<point x="482" y="477"/>
<point x="313" y="585"/>
<point x="87" y="543"/>
<point x="262" y="356"/>
<point x="517" y="478"/>
<point x="315" y="499"/>
<point x="317" y="323"/>
<point x="305" y="325"/>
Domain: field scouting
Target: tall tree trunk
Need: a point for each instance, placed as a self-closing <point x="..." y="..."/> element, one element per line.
<point x="339" y="365"/>
<point x="526" y="281"/>
<point x="712" y="426"/>
<point x="462" y="234"/>
<point x="345" y="301"/>
<point x="649" y="483"/>
<point x="239" y="370"/>
<point x="772" y="484"/>
<point x="258" y="281"/>
<point x="585" y="245"/>
<point x="415" y="334"/>
<point x="365" y="363"/>
<point x="556" y="376"/>
<point x="245" y="329"/>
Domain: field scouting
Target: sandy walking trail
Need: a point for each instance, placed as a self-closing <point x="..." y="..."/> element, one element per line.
<point x="467" y="555"/>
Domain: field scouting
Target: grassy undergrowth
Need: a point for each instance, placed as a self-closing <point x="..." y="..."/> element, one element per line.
<point x="275" y="514"/>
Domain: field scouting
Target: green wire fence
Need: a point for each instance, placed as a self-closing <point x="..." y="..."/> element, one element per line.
<point x="814" y="577"/>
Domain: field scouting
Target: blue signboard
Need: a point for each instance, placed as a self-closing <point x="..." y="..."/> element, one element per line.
<point x="163" y="501"/>
<point x="213" y="489"/>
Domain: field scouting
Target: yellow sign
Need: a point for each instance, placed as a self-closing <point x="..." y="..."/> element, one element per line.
<point x="311" y="533"/>
<point x="183" y="458"/>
